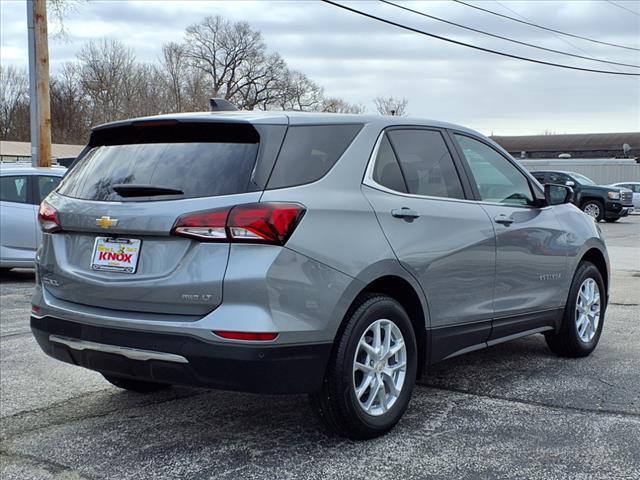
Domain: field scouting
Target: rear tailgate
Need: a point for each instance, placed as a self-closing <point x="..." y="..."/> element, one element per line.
<point x="117" y="251"/>
<point x="173" y="275"/>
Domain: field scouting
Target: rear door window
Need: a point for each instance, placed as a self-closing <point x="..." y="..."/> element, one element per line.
<point x="309" y="151"/>
<point x="426" y="163"/>
<point x="13" y="189"/>
<point x="386" y="171"/>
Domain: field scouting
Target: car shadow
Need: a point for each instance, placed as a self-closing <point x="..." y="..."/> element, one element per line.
<point x="17" y="275"/>
<point x="204" y="433"/>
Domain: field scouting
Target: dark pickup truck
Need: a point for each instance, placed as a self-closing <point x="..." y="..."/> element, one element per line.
<point x="601" y="202"/>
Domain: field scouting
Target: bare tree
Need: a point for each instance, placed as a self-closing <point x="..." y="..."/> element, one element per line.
<point x="106" y="67"/>
<point x="14" y="103"/>
<point x="197" y="90"/>
<point x="229" y="53"/>
<point x="58" y="10"/>
<point x="294" y="91"/>
<point x="259" y="82"/>
<point x="239" y="68"/>
<point x="218" y="58"/>
<point x="174" y="67"/>
<point x="70" y="107"/>
<point x="338" y="105"/>
<point x="141" y="93"/>
<point x="391" y="106"/>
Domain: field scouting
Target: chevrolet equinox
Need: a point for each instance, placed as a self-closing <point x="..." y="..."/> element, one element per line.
<point x="335" y="255"/>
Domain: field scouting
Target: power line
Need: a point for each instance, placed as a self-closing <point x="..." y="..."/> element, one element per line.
<point x="545" y="28"/>
<point x="433" y="17"/>
<point x="624" y="8"/>
<point x="559" y="37"/>
<point x="475" y="47"/>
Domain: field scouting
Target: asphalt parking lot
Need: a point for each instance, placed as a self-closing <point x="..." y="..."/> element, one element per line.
<point x="512" y="411"/>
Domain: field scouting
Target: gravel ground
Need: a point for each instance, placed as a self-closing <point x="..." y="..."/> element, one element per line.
<point x="512" y="411"/>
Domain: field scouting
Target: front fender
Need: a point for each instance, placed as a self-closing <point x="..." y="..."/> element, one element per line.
<point x="582" y="235"/>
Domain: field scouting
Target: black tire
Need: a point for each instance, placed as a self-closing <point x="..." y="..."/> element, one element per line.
<point x="567" y="342"/>
<point x="594" y="205"/>
<point x="336" y="404"/>
<point x="611" y="220"/>
<point x="132" y="385"/>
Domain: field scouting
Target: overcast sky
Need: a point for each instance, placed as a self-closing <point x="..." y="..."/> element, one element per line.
<point x="358" y="58"/>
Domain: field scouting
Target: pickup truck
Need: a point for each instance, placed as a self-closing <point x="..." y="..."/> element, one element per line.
<point x="601" y="202"/>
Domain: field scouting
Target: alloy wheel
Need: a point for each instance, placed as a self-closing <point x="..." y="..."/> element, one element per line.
<point x="588" y="310"/>
<point x="592" y="210"/>
<point x="379" y="367"/>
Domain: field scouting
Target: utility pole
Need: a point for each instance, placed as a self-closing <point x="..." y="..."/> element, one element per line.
<point x="39" y="83"/>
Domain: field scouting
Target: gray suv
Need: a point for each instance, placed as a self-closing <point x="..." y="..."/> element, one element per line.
<point x="335" y="255"/>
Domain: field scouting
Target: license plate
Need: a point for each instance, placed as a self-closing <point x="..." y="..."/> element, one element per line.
<point x="115" y="254"/>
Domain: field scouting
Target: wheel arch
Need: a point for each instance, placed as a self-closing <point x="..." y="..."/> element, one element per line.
<point x="595" y="256"/>
<point x="588" y="197"/>
<point x="409" y="297"/>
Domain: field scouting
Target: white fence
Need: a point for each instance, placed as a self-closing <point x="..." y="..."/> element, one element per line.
<point x="601" y="170"/>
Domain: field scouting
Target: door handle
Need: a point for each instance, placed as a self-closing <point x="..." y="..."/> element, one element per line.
<point x="503" y="219"/>
<point x="404" y="212"/>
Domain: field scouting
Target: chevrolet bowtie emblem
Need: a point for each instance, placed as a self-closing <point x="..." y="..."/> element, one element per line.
<point x="106" y="222"/>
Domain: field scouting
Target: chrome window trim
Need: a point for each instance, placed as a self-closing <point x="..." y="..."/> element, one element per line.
<point x="370" y="182"/>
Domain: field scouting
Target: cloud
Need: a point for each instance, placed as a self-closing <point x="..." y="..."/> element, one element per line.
<point x="357" y="58"/>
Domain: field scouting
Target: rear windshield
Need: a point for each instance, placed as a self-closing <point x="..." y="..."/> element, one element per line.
<point x="196" y="169"/>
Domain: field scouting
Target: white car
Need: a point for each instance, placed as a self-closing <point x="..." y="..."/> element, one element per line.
<point x="22" y="188"/>
<point x="634" y="187"/>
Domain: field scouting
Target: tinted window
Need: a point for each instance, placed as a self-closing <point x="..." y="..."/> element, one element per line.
<point x="198" y="169"/>
<point x="497" y="179"/>
<point x="582" y="179"/>
<point x="46" y="185"/>
<point x="538" y="176"/>
<point x="13" y="189"/>
<point x="559" y="178"/>
<point x="386" y="171"/>
<point x="309" y="152"/>
<point x="426" y="163"/>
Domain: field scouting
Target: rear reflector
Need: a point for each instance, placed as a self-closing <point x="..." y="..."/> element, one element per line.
<point x="261" y="337"/>
<point x="48" y="218"/>
<point x="271" y="223"/>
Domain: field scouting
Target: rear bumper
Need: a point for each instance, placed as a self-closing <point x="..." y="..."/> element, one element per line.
<point x="183" y="360"/>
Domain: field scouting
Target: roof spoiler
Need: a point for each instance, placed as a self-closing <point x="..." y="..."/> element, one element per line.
<point x="221" y="105"/>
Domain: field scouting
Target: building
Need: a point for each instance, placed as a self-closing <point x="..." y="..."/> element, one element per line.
<point x="582" y="145"/>
<point x="21" y="151"/>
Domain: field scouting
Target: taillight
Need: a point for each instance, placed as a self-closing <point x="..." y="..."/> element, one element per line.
<point x="208" y="226"/>
<point x="250" y="336"/>
<point x="48" y="218"/>
<point x="271" y="223"/>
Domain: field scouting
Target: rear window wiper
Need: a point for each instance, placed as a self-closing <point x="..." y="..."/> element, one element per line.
<point x="141" y="190"/>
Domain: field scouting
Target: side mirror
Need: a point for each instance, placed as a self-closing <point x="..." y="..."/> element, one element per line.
<point x="557" y="194"/>
<point x="570" y="183"/>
